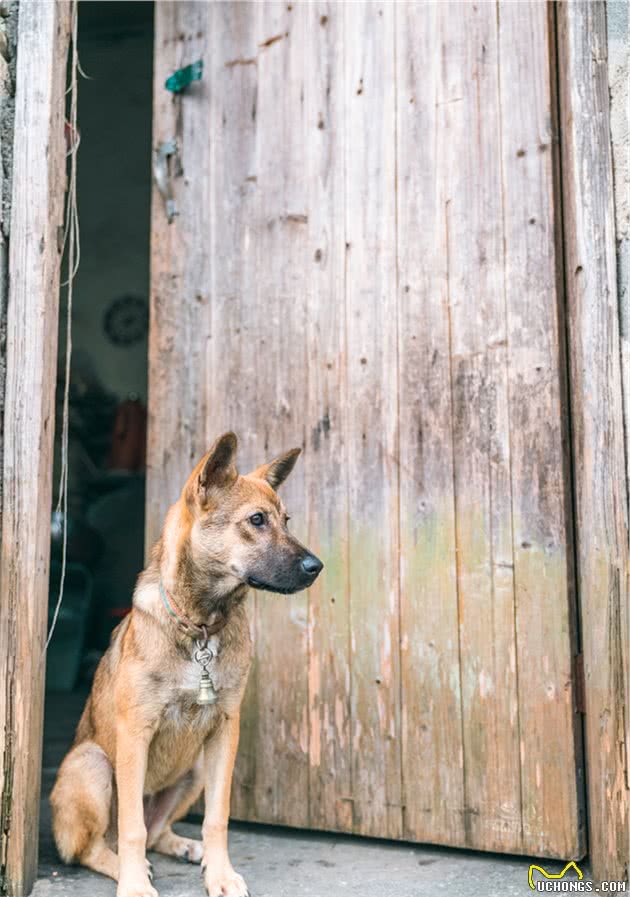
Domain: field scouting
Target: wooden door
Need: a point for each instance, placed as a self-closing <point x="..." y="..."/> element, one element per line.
<point x="34" y="155"/>
<point x="364" y="261"/>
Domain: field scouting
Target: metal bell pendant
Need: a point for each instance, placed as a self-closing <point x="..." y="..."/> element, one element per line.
<point x="206" y="694"/>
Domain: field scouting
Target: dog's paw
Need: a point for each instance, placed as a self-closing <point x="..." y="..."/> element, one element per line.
<point x="187" y="849"/>
<point x="225" y="883"/>
<point x="139" y="888"/>
<point x="183" y="848"/>
<point x="193" y="850"/>
<point x="141" y="891"/>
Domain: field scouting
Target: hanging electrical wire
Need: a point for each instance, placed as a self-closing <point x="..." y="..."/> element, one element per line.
<point x="71" y="243"/>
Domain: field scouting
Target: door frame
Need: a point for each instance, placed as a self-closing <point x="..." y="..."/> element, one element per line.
<point x="598" y="450"/>
<point x="29" y="423"/>
<point x="28" y="427"/>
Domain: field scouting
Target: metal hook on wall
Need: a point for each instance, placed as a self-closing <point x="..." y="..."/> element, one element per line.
<point x="163" y="176"/>
<point x="163" y="171"/>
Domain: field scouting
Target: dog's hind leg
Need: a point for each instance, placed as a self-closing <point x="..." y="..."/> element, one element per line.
<point x="181" y="798"/>
<point x="81" y="803"/>
<point x="101" y="858"/>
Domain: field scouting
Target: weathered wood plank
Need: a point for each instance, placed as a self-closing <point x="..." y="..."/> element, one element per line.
<point x="232" y="345"/>
<point x="372" y="419"/>
<point x="281" y="733"/>
<point x="618" y="32"/>
<point x="601" y="506"/>
<point x="180" y="273"/>
<point x="7" y="107"/>
<point x="550" y="729"/>
<point x="233" y="360"/>
<point x="29" y="424"/>
<point x="470" y="189"/>
<point x="233" y="199"/>
<point x="330" y="748"/>
<point x="431" y="700"/>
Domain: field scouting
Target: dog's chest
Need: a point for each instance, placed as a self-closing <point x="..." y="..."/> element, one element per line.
<point x="185" y="724"/>
<point x="184" y="727"/>
<point x="186" y="687"/>
<point x="185" y="705"/>
<point x="176" y="745"/>
<point x="185" y="718"/>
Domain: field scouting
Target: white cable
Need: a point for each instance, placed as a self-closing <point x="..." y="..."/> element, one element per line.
<point x="71" y="239"/>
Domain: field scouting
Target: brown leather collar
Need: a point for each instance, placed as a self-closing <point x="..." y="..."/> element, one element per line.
<point x="199" y="631"/>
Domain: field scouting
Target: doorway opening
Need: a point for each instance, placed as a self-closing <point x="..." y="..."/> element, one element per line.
<point x="108" y="387"/>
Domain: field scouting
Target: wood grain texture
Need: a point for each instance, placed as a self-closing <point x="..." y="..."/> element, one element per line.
<point x="378" y="294"/>
<point x="552" y="773"/>
<point x="431" y="696"/>
<point x="29" y="423"/>
<point x="330" y="661"/>
<point x="597" y="432"/>
<point x="281" y="727"/>
<point x="180" y="274"/>
<point x="470" y="189"/>
<point x="7" y="105"/>
<point x="372" y="419"/>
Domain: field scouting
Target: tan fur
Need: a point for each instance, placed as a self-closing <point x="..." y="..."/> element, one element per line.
<point x="144" y="749"/>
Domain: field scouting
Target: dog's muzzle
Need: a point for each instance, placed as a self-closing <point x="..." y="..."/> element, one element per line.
<point x="301" y="576"/>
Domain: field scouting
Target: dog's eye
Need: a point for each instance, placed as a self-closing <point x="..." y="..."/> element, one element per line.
<point x="257" y="519"/>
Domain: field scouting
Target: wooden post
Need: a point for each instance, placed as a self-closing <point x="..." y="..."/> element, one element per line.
<point x="601" y="488"/>
<point x="8" y="32"/>
<point x="32" y="320"/>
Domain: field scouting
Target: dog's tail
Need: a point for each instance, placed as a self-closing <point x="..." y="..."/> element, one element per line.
<point x="81" y="801"/>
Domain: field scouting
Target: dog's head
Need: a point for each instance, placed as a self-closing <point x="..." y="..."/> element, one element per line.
<point x="238" y="531"/>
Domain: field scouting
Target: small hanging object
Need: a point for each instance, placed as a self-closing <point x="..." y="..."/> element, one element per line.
<point x="206" y="694"/>
<point x="166" y="157"/>
<point x="204" y="656"/>
<point x="182" y="78"/>
<point x="163" y="176"/>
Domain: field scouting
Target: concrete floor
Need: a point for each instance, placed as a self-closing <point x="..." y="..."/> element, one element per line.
<point x="278" y="862"/>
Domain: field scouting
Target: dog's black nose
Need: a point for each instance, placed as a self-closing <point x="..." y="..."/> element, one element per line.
<point x="311" y="565"/>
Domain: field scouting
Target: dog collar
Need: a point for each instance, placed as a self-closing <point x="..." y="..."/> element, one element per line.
<point x="196" y="630"/>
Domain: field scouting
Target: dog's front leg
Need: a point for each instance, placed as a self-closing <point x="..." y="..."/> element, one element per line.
<point x="219" y="755"/>
<point x="132" y="746"/>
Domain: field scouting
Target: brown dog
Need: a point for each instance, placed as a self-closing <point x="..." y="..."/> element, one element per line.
<point x="162" y="721"/>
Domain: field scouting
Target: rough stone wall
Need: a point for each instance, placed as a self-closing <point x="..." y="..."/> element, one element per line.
<point x="618" y="14"/>
<point x="8" y="44"/>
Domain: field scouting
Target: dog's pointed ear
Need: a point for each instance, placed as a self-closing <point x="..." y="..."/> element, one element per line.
<point x="276" y="471"/>
<point x="217" y="468"/>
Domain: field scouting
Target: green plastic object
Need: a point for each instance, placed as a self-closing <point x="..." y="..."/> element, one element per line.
<point x="181" y="79"/>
